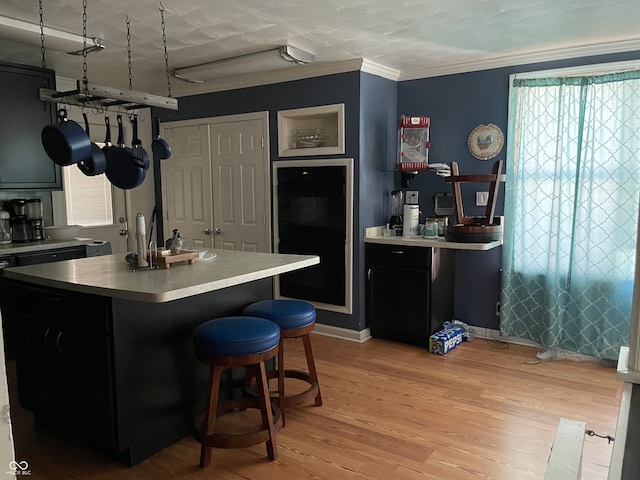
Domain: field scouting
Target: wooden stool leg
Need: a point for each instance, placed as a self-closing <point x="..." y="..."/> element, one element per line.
<point x="281" y="395"/>
<point x="209" y="424"/>
<point x="265" y="409"/>
<point x="311" y="365"/>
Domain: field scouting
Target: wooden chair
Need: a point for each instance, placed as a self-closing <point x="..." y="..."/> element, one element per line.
<point x="476" y="229"/>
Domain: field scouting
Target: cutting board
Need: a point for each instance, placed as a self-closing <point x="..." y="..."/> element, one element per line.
<point x="165" y="261"/>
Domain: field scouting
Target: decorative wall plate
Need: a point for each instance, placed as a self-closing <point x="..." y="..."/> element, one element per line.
<point x="486" y="141"/>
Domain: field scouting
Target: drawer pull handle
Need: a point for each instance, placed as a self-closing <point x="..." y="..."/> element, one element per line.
<point x="46" y="336"/>
<point x="53" y="299"/>
<point x="58" y="342"/>
<point x="369" y="274"/>
<point x="397" y="251"/>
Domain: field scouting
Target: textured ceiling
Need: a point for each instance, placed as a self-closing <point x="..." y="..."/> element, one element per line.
<point x="417" y="38"/>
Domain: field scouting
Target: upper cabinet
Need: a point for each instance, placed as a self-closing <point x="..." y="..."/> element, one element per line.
<point x="311" y="131"/>
<point x="23" y="162"/>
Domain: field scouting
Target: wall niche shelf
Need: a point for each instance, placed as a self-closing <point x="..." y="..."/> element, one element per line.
<point x="311" y="131"/>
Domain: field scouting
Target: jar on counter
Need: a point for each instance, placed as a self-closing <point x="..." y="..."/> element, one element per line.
<point x="430" y="229"/>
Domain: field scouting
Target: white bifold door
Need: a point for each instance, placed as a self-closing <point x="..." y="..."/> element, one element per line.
<point x="216" y="184"/>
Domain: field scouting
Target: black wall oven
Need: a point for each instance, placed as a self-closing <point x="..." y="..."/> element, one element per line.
<point x="313" y="217"/>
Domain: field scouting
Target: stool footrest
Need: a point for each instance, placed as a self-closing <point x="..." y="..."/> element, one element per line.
<point x="245" y="439"/>
<point x="290" y="400"/>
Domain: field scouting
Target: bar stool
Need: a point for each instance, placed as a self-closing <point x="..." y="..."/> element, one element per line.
<point x="238" y="342"/>
<point x="296" y="319"/>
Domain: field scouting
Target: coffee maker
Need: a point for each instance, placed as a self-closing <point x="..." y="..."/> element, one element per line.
<point x="20" y="231"/>
<point x="34" y="217"/>
<point x="396" y="206"/>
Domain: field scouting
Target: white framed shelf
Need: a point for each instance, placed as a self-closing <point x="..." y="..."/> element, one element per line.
<point x="311" y="131"/>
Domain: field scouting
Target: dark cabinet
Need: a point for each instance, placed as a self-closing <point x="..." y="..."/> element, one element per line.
<point x="49" y="256"/>
<point x="409" y="291"/>
<point x="64" y="361"/>
<point x="23" y="161"/>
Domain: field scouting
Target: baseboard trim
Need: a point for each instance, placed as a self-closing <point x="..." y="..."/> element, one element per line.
<point x="490" y="334"/>
<point x="343" y="333"/>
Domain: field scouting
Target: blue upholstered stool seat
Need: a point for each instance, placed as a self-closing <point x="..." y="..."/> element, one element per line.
<point x="288" y="314"/>
<point x="235" y="337"/>
<point x="296" y="319"/>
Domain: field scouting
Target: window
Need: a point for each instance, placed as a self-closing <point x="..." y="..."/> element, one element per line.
<point x="88" y="199"/>
<point x="571" y="208"/>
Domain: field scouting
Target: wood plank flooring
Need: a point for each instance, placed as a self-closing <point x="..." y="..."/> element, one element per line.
<point x="391" y="411"/>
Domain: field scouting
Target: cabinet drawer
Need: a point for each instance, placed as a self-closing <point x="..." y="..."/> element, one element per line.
<point x="398" y="256"/>
<point x="88" y="312"/>
<point x="48" y="256"/>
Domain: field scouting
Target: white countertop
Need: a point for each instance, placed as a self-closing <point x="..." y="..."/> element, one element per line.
<point x="374" y="235"/>
<point x="109" y="275"/>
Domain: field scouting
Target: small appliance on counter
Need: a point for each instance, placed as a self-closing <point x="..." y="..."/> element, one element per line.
<point x="5" y="227"/>
<point x="34" y="217"/>
<point x="411" y="215"/>
<point x="396" y="206"/>
<point x="20" y="231"/>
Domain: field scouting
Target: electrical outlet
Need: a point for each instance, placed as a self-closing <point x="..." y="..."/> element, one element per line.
<point x="481" y="199"/>
<point x="412" y="197"/>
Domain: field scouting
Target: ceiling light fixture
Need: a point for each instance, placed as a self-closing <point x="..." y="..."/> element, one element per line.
<point x="265" y="60"/>
<point x="29" y="33"/>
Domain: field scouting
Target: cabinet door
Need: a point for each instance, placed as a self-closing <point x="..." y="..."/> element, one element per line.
<point x="23" y="161"/>
<point x="86" y="386"/>
<point x="37" y="366"/>
<point x="398" y="304"/>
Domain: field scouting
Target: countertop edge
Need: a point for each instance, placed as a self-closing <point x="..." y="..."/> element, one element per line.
<point x="374" y="235"/>
<point x="166" y="296"/>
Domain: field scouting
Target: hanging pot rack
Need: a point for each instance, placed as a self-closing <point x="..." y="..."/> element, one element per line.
<point x="89" y="94"/>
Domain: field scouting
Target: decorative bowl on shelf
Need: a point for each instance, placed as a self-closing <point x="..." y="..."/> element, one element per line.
<point x="309" y="137"/>
<point x="62" y="232"/>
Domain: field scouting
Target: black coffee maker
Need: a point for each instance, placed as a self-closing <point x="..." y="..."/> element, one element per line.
<point x="396" y="206"/>
<point x="34" y="217"/>
<point x="20" y="230"/>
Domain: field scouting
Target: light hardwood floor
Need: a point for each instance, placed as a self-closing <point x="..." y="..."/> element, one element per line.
<point x="391" y="412"/>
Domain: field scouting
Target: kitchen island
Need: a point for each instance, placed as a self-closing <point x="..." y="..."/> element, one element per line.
<point x="105" y="354"/>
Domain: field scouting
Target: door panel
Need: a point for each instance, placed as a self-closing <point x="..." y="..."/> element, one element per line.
<point x="187" y="185"/>
<point x="240" y="209"/>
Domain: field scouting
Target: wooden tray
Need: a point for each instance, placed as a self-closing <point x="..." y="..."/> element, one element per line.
<point x="166" y="260"/>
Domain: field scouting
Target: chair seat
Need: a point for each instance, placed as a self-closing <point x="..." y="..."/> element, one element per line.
<point x="288" y="314"/>
<point x="235" y="336"/>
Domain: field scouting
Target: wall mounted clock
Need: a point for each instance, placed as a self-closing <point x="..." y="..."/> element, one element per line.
<point x="485" y="141"/>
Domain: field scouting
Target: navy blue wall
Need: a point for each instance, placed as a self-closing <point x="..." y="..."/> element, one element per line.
<point x="378" y="121"/>
<point x="456" y="104"/>
<point x="325" y="90"/>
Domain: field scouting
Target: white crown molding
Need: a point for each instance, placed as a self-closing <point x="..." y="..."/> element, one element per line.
<point x="522" y="59"/>
<point x="322" y="68"/>
<point x="380" y="70"/>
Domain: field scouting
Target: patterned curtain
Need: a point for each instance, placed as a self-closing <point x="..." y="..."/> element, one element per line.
<point x="571" y="208"/>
